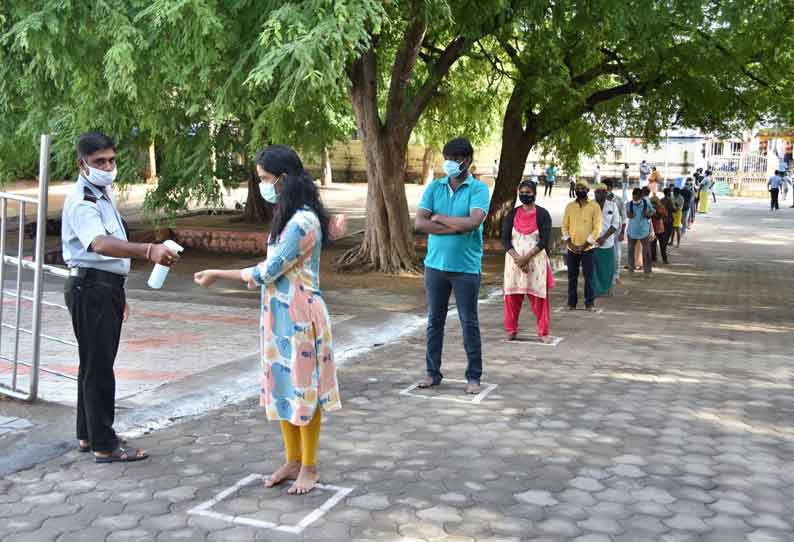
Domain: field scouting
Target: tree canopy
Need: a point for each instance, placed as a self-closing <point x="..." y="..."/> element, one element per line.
<point x="209" y="83"/>
<point x="581" y="70"/>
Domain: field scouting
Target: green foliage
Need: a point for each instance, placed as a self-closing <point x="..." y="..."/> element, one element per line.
<point x="174" y="72"/>
<point x="585" y="69"/>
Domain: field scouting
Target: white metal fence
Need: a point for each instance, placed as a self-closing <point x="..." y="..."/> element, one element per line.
<point x="12" y="384"/>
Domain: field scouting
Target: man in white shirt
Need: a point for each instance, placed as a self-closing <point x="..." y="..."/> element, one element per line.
<point x="604" y="253"/>
<point x="621" y="236"/>
<point x="597" y="175"/>
<point x="774" y="184"/>
<point x="534" y="174"/>
<point x="645" y="170"/>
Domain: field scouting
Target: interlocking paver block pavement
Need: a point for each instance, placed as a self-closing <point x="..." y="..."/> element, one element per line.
<point x="667" y="419"/>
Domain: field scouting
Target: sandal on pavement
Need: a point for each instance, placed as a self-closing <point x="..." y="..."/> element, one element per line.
<point x="472" y="388"/>
<point x="428" y="382"/>
<point x="122" y="455"/>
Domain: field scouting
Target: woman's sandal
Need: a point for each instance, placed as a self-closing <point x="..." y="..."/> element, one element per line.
<point x="121" y="455"/>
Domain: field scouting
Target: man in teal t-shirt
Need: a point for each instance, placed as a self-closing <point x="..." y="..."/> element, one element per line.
<point x="451" y="212"/>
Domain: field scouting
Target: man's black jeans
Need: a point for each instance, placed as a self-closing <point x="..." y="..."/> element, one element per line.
<point x="585" y="260"/>
<point x="438" y="286"/>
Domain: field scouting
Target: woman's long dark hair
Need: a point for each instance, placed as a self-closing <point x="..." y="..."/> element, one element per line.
<point x="297" y="189"/>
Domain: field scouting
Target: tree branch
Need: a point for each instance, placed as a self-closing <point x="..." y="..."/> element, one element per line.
<point x="438" y="71"/>
<point x="404" y="63"/>
<point x="363" y="74"/>
<point x="494" y="61"/>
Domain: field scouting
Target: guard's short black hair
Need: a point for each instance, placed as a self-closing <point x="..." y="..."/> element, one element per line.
<point x="91" y="142"/>
<point x="460" y="146"/>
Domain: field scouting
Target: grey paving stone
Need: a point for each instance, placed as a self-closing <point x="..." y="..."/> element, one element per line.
<point x="687" y="522"/>
<point x="118" y="523"/>
<point x="559" y="527"/>
<point x="17" y="424"/>
<point x="770" y="521"/>
<point x="587" y="484"/>
<point x="733" y="508"/>
<point x="370" y="502"/>
<point x="593" y="538"/>
<point x="440" y="514"/>
<point x="601" y="525"/>
<point x="165" y="522"/>
<point x="763" y="535"/>
<point x="537" y="498"/>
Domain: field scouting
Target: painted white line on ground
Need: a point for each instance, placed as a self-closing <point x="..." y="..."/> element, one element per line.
<point x="475" y="400"/>
<point x="204" y="509"/>
<point x="565" y="309"/>
<point x="536" y="342"/>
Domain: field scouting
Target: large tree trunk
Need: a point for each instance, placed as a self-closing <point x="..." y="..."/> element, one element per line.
<point x="427" y="166"/>
<point x="257" y="210"/>
<point x="327" y="177"/>
<point x="516" y="144"/>
<point x="388" y="244"/>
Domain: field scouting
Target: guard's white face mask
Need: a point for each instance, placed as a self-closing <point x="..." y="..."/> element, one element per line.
<point x="99" y="177"/>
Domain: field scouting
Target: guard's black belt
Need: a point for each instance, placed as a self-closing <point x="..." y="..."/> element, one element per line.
<point x="106" y="277"/>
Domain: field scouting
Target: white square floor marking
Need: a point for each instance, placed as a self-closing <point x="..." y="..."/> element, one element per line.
<point x="205" y="509"/>
<point x="476" y="399"/>
<point x="534" y="341"/>
<point x="565" y="309"/>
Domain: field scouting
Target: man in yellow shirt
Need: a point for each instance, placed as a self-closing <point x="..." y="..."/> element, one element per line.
<point x="581" y="227"/>
<point x="654" y="179"/>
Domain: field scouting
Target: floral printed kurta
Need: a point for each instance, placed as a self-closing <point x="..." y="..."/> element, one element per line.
<point x="299" y="372"/>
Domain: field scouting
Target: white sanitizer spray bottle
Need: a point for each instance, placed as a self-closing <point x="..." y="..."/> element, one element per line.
<point x="157" y="278"/>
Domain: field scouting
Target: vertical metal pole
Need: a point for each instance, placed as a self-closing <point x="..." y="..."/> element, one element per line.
<point x="3" y="220"/>
<point x="18" y="307"/>
<point x="38" y="277"/>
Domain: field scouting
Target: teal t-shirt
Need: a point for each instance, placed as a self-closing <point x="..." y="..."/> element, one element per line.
<point x="461" y="253"/>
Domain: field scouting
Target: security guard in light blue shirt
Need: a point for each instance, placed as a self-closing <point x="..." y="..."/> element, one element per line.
<point x="89" y="211"/>
<point x="96" y="249"/>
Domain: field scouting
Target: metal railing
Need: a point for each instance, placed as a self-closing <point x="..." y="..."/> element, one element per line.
<point x="39" y="270"/>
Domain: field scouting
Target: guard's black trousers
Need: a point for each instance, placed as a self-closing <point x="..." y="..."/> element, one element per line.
<point x="96" y="303"/>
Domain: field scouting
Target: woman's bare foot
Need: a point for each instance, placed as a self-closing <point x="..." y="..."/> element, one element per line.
<point x="546" y="339"/>
<point x="287" y="471"/>
<point x="511" y="336"/>
<point x="307" y="480"/>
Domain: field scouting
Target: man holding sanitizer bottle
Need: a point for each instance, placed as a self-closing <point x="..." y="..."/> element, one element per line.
<point x="96" y="249"/>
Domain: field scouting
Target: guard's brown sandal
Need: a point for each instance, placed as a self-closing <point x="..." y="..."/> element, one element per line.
<point x="122" y="455"/>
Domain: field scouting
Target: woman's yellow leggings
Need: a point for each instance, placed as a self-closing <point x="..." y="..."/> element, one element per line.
<point x="300" y="441"/>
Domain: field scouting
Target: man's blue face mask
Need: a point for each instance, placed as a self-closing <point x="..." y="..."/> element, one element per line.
<point x="452" y="168"/>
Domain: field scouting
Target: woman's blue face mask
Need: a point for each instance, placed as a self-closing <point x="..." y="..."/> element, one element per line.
<point x="268" y="191"/>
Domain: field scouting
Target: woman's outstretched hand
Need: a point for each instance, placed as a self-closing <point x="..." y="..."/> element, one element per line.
<point x="205" y="278"/>
<point x="248" y="278"/>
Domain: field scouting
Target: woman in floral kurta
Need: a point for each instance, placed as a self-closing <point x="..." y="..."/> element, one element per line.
<point x="299" y="373"/>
